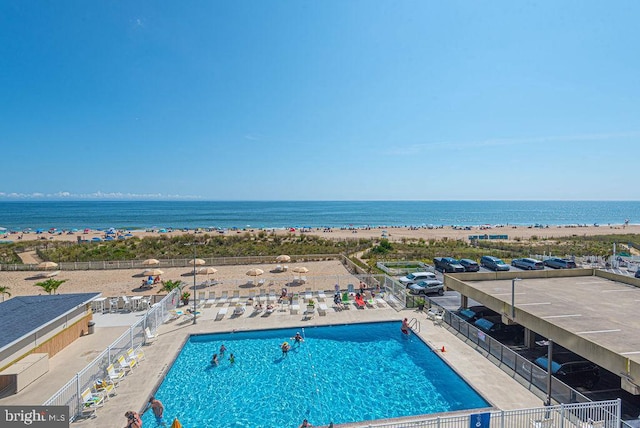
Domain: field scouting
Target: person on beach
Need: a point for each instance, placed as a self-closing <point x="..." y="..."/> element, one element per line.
<point x="158" y="410"/>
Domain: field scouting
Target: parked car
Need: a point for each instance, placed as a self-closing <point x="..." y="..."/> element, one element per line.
<point x="469" y="265"/>
<point x="414" y="277"/>
<point x="474" y="313"/>
<point x="527" y="264"/>
<point x="426" y="287"/>
<point x="637" y="275"/>
<point x="573" y="373"/>
<point x="499" y="331"/>
<point x="493" y="263"/>
<point x="557" y="263"/>
<point x="447" y="264"/>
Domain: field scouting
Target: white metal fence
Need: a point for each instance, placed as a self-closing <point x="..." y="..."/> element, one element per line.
<point x="134" y="337"/>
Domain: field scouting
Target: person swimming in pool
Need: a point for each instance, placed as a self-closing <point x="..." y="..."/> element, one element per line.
<point x="298" y="338"/>
<point x="405" y="326"/>
<point x="214" y="360"/>
<point x="285" y="348"/>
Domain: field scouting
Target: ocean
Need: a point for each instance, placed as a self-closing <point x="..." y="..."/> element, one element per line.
<point x="66" y="215"/>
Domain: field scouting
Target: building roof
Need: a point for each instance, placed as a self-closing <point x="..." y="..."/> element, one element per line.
<point x="23" y="315"/>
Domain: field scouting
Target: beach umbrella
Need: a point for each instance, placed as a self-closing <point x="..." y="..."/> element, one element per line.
<point x="283" y="258"/>
<point x="197" y="262"/>
<point x="207" y="270"/>
<point x="150" y="262"/>
<point x="176" y="423"/>
<point x="47" y="265"/>
<point x="255" y="272"/>
<point x="153" y="272"/>
<point x="300" y="269"/>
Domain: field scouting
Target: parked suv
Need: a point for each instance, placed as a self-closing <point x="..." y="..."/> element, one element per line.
<point x="448" y="264"/>
<point x="414" y="277"/>
<point x="426" y="287"/>
<point x="499" y="331"/>
<point x="474" y="313"/>
<point x="573" y="373"/>
<point x="493" y="263"/>
<point x="469" y="265"/>
<point x="557" y="263"/>
<point x="528" y="264"/>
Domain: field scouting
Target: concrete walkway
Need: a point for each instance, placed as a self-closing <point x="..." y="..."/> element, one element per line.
<point x="495" y="385"/>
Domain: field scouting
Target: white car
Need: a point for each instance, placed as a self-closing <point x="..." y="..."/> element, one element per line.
<point x="414" y="277"/>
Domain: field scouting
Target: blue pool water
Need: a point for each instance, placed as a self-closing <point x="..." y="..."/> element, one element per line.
<point x="339" y="373"/>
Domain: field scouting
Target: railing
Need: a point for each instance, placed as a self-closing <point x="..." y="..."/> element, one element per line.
<point x="183" y="262"/>
<point x="604" y="414"/>
<point x="509" y="360"/>
<point x="134" y="337"/>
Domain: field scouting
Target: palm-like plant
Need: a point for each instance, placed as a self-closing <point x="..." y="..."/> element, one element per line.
<point x="168" y="286"/>
<point x="50" y="285"/>
<point x="4" y="290"/>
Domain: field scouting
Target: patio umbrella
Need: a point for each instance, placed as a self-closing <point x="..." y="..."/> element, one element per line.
<point x="197" y="262"/>
<point x="300" y="269"/>
<point x="207" y="270"/>
<point x="283" y="258"/>
<point x="150" y="262"/>
<point x="47" y="265"/>
<point x="153" y="272"/>
<point x="255" y="272"/>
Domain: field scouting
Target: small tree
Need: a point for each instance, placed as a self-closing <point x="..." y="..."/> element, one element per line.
<point x="170" y="285"/>
<point x="50" y="285"/>
<point x="4" y="290"/>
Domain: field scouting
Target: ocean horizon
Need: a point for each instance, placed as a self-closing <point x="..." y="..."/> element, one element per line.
<point x="66" y="215"/>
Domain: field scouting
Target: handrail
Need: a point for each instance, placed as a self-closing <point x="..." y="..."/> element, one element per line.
<point x="413" y="323"/>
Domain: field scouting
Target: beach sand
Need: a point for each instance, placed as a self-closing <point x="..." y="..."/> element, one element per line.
<point x="322" y="275"/>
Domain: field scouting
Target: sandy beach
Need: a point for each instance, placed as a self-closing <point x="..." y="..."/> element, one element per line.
<point x="392" y="233"/>
<point x="321" y="275"/>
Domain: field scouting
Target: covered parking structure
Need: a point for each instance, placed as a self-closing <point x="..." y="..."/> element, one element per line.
<point x="587" y="311"/>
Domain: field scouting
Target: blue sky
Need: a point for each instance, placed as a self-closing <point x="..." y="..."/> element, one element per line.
<point x="320" y="100"/>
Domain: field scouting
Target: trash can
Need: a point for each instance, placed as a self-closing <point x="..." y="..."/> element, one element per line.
<point x="92" y="326"/>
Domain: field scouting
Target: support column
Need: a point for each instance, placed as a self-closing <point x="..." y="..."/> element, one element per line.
<point x="464" y="301"/>
<point x="529" y="338"/>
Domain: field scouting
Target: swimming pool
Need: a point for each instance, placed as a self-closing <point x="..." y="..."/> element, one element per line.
<point x="338" y="374"/>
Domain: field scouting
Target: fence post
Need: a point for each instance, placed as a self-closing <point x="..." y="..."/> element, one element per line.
<point x="78" y="396"/>
<point x="131" y="336"/>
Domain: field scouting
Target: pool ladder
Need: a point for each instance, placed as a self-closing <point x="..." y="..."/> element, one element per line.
<point x="414" y="324"/>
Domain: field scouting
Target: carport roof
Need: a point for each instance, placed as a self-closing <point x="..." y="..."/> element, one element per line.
<point x="22" y="315"/>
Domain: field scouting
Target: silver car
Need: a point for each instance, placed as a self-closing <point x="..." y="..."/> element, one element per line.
<point x="426" y="287"/>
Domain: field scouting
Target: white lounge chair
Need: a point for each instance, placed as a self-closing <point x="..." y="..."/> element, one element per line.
<point x="322" y="309"/>
<point x="202" y="298"/>
<point x="272" y="296"/>
<point x="91" y="402"/>
<point x="223" y="298"/>
<point x="148" y="336"/>
<point x="115" y="375"/>
<point x="136" y="356"/>
<point x="211" y="300"/>
<point x="294" y="308"/>
<point x="309" y="312"/>
<point x="238" y="310"/>
<point x="321" y="295"/>
<point x="236" y="297"/>
<point x="262" y="298"/>
<point x="124" y="364"/>
<point x="261" y="282"/>
<point x="106" y="388"/>
<point x="221" y="314"/>
<point x="308" y="294"/>
<point x="380" y="302"/>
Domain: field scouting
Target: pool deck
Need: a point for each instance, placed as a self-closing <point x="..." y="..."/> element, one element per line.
<point x="497" y="387"/>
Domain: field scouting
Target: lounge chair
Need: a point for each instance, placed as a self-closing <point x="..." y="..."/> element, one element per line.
<point x="211" y="300"/>
<point x="346" y="303"/>
<point x="239" y="310"/>
<point x="91" y="402"/>
<point x="351" y="289"/>
<point x="295" y="306"/>
<point x="202" y="298"/>
<point x="542" y="423"/>
<point x="359" y="301"/>
<point x="106" y="388"/>
<point x="126" y="365"/>
<point x="303" y="279"/>
<point x="321" y="295"/>
<point x="322" y="309"/>
<point x="221" y="314"/>
<point x="309" y="312"/>
<point x="261" y="282"/>
<point x="380" y="302"/>
<point x="148" y="336"/>
<point x="136" y="356"/>
<point x="262" y="298"/>
<point x="174" y="314"/>
<point x="308" y="294"/>
<point x="115" y="375"/>
<point x="236" y="297"/>
<point x="223" y="298"/>
<point x="272" y="296"/>
<point x="593" y="424"/>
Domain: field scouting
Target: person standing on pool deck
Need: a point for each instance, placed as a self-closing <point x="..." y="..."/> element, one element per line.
<point x="405" y="326"/>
